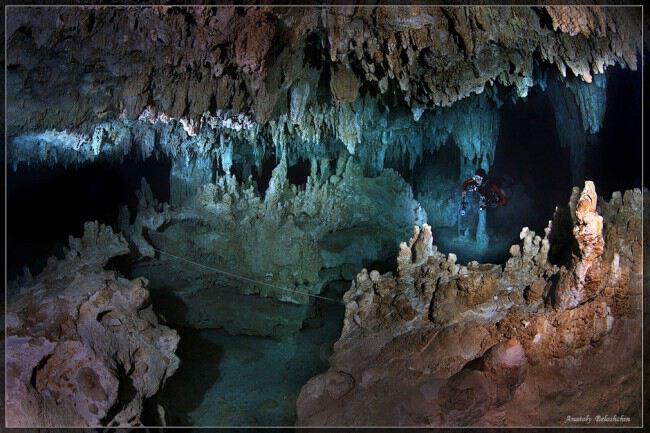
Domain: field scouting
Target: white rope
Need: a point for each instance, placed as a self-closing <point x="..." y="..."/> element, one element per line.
<point x="250" y="280"/>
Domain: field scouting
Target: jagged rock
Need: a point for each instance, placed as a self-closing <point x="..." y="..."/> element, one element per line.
<point x="97" y="246"/>
<point x="254" y="41"/>
<point x="628" y="208"/>
<point x="583" y="281"/>
<point x="484" y="344"/>
<point x="150" y="215"/>
<point x="66" y="72"/>
<point x="302" y="240"/>
<point x="84" y="347"/>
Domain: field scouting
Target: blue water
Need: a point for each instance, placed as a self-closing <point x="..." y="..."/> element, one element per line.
<point x="227" y="380"/>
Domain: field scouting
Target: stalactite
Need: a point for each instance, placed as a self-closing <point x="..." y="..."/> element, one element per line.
<point x="592" y="101"/>
<point x="474" y="125"/>
<point x="579" y="109"/>
<point x="187" y="176"/>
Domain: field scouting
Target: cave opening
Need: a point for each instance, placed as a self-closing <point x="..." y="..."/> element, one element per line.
<point x="313" y="51"/>
<point x="533" y="169"/>
<point x="530" y="165"/>
<point x="615" y="161"/>
<point x="443" y="163"/>
<point x="262" y="175"/>
<point x="45" y="205"/>
<point x="238" y="169"/>
<point x="298" y="173"/>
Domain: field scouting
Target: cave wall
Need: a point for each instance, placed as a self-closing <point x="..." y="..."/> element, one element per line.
<point x="184" y="61"/>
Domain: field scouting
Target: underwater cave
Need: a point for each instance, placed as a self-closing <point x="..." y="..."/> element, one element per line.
<point x="49" y="203"/>
<point x="310" y="216"/>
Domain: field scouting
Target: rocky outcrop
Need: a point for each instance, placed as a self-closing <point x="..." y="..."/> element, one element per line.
<point x="445" y="344"/>
<point x="83" y="345"/>
<point x="584" y="282"/>
<point x="150" y="215"/>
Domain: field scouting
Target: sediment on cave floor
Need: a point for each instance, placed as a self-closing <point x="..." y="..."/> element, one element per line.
<point x="224" y="195"/>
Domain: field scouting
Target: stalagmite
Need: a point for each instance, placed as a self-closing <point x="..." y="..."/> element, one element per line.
<point x="584" y="281"/>
<point x="469" y="335"/>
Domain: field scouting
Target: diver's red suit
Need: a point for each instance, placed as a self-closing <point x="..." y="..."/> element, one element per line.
<point x="491" y="194"/>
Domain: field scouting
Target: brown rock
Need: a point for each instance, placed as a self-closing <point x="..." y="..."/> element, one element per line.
<point x="94" y="334"/>
<point x="506" y="365"/>
<point x="466" y="397"/>
<point x="468" y="359"/>
<point x="583" y="281"/>
<point x="344" y="84"/>
<point x="338" y="384"/>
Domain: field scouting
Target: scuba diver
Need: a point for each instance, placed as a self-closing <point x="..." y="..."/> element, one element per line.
<point x="490" y="194"/>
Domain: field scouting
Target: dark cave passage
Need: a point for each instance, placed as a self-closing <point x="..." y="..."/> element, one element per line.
<point x="443" y="163"/>
<point x="530" y="165"/>
<point x="298" y="173"/>
<point x="615" y="162"/>
<point x="45" y="205"/>
<point x="532" y="168"/>
<point x="262" y="176"/>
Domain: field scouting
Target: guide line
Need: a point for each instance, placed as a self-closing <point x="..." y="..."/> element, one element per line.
<point x="250" y="280"/>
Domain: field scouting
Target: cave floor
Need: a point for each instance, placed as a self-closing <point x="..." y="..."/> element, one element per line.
<point x="240" y="380"/>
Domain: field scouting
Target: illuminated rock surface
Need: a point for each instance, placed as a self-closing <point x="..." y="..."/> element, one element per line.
<point x="83" y="345"/>
<point x="193" y="68"/>
<point x="444" y="344"/>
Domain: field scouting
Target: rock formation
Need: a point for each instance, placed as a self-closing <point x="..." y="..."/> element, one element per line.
<point x="445" y="344"/>
<point x="189" y="60"/>
<point x="584" y="280"/>
<point x="303" y="239"/>
<point x="300" y="81"/>
<point x="301" y="145"/>
<point x="83" y="345"/>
